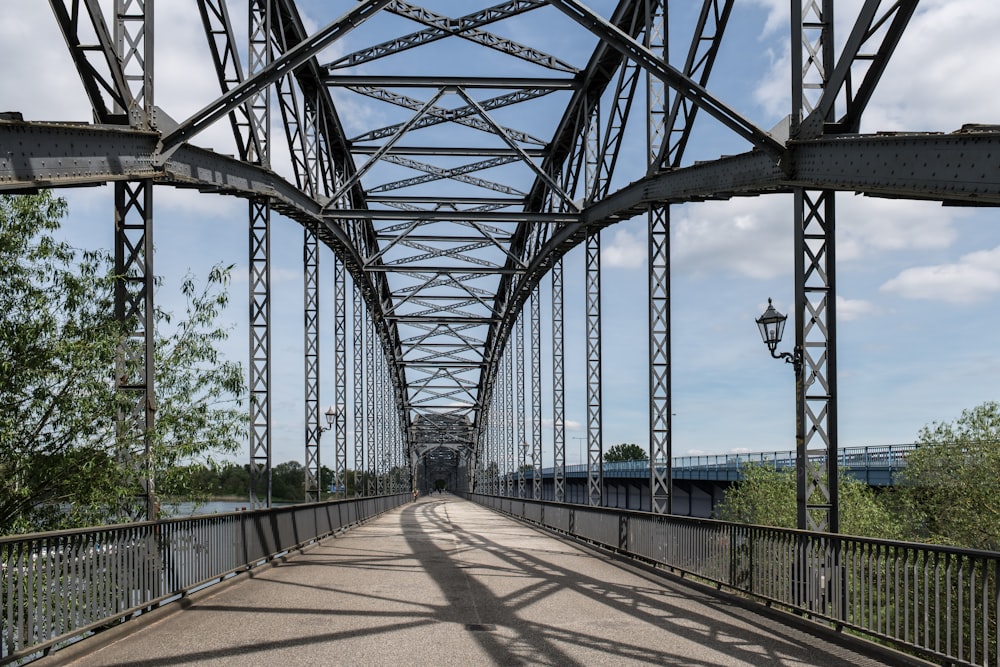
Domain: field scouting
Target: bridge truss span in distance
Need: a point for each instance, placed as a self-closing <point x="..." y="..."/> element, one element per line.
<point x="456" y="163"/>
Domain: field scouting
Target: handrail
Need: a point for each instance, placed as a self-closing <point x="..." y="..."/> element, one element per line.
<point x="59" y="586"/>
<point x="934" y="601"/>
<point x="868" y="457"/>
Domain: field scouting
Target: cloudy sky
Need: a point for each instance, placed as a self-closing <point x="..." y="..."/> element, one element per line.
<point x="919" y="284"/>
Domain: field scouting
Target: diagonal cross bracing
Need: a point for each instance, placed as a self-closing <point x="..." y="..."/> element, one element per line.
<point x="445" y="261"/>
<point x="465" y="27"/>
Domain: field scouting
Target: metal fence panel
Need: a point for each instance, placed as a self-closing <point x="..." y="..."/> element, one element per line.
<point x="56" y="586"/>
<point x="937" y="602"/>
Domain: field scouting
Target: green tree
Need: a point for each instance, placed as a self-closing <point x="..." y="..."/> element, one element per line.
<point x="234" y="480"/>
<point x="61" y="456"/>
<point x="767" y="497"/>
<point x="951" y="484"/>
<point x="764" y="497"/>
<point x="288" y="482"/>
<point x="625" y="451"/>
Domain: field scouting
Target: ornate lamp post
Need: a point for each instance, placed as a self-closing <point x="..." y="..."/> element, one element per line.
<point x="331" y="417"/>
<point x="772" y="326"/>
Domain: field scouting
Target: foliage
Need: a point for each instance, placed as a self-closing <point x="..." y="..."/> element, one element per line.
<point x="625" y="451"/>
<point x="764" y="497"/>
<point x="767" y="497"/>
<point x="62" y="456"/>
<point x="950" y="492"/>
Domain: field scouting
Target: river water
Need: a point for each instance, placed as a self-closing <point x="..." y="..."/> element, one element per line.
<point x="210" y="507"/>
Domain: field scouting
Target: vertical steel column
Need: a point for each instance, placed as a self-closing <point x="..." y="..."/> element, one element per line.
<point x="371" y="342"/>
<point x="494" y="449"/>
<point x="260" y="54"/>
<point x="492" y="464"/>
<point x="313" y="432"/>
<point x="522" y="443"/>
<point x="558" y="386"/>
<point x="660" y="434"/>
<point x="260" y="356"/>
<point x="660" y="446"/>
<point x="340" y="372"/>
<point x="483" y="444"/>
<point x="359" y="391"/>
<point x="595" y="449"/>
<point x="815" y="286"/>
<point x="384" y="468"/>
<point x="507" y="435"/>
<point x="134" y="307"/>
<point x="258" y="151"/>
<point x="134" y="255"/>
<point x="536" y="394"/>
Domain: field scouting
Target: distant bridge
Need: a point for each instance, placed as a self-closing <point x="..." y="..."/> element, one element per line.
<point x="700" y="481"/>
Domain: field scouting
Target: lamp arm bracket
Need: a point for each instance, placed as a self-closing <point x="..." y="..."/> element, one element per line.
<point x="794" y="358"/>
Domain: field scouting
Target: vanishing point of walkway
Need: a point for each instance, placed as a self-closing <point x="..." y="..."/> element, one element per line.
<point x="446" y="582"/>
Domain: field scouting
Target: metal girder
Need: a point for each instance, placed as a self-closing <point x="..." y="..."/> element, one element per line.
<point x="510" y="83"/>
<point x="229" y="71"/>
<point x="358" y="348"/>
<point x="618" y="39"/>
<point x="815" y="354"/>
<point x="705" y="43"/>
<point x="465" y="151"/>
<point x="536" y="395"/>
<point x="453" y="216"/>
<point x="595" y="444"/>
<point x="134" y="276"/>
<point x="103" y="77"/>
<point x="369" y="400"/>
<point x="959" y="167"/>
<point x="133" y="304"/>
<point x="880" y="31"/>
<point x="660" y="450"/>
<point x="340" y="372"/>
<point x="459" y="174"/>
<point x="432" y="115"/>
<point x="465" y="27"/>
<point x="253" y="140"/>
<point x="289" y="61"/>
<point x="489" y="261"/>
<point x="260" y="354"/>
<point x="313" y="429"/>
<point x="520" y="443"/>
<point x="558" y="386"/>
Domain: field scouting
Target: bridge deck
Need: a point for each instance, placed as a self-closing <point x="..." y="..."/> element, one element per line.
<point x="446" y="582"/>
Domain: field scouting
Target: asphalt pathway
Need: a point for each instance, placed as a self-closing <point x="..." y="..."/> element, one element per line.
<point x="444" y="582"/>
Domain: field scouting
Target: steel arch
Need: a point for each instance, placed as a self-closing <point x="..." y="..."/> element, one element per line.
<point x="468" y="185"/>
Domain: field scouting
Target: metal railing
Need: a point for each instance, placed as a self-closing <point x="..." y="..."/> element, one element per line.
<point x="56" y="587"/>
<point x="855" y="460"/>
<point x="934" y="601"/>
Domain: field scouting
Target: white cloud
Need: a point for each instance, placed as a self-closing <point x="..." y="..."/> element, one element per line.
<point x="852" y="309"/>
<point x="942" y="66"/>
<point x="41" y="83"/>
<point x="867" y="226"/>
<point x="750" y="237"/>
<point x="923" y="88"/>
<point x="753" y="237"/>
<point x="569" y="424"/>
<point x="972" y="279"/>
<point x="627" y="251"/>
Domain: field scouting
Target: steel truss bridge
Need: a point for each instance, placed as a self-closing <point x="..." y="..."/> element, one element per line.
<point x="449" y="213"/>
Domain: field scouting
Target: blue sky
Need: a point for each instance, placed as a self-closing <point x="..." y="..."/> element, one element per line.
<point x="918" y="283"/>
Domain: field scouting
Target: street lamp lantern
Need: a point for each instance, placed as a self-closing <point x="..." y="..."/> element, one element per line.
<point x="772" y="326"/>
<point x="331" y="416"/>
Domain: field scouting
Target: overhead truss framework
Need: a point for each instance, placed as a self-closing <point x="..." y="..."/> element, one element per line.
<point x="471" y="162"/>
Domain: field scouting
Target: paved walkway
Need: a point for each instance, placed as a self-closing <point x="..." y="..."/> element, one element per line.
<point x="445" y="582"/>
